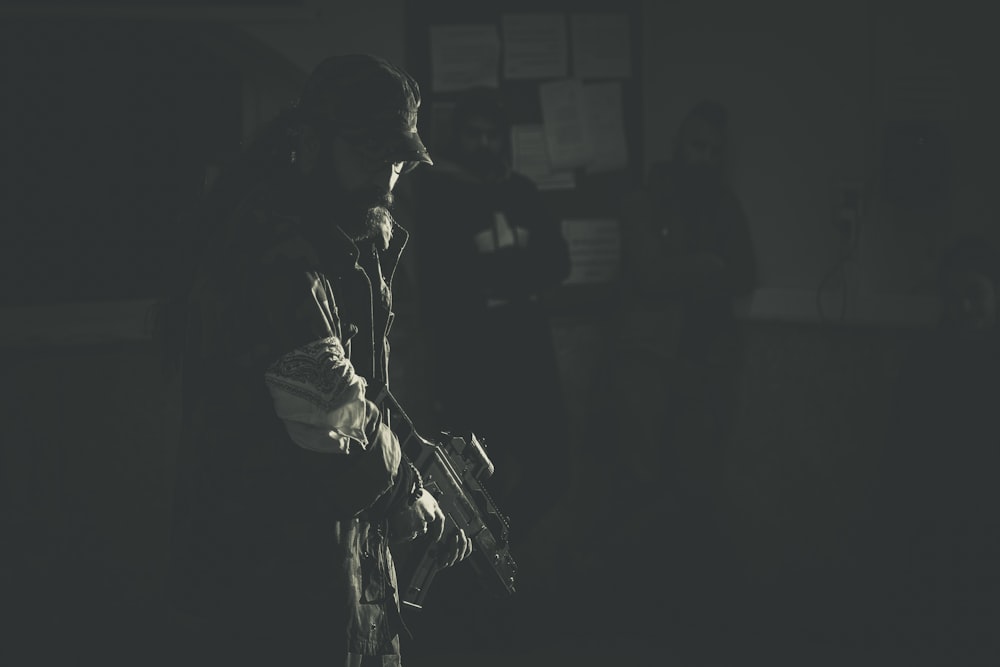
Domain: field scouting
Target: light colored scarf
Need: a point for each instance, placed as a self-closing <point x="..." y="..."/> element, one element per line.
<point x="319" y="397"/>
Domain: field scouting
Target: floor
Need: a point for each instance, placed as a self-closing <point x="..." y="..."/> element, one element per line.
<point x="135" y="644"/>
<point x="600" y="632"/>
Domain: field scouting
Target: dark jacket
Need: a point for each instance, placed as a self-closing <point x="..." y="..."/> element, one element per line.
<point x="471" y="277"/>
<point x="665" y="225"/>
<point x="266" y="531"/>
<point x="489" y="253"/>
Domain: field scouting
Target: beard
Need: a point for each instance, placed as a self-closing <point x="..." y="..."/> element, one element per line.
<point x="366" y="213"/>
<point x="363" y="215"/>
<point x="376" y="225"/>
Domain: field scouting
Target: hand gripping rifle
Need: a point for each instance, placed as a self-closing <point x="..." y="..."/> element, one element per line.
<point x="453" y="470"/>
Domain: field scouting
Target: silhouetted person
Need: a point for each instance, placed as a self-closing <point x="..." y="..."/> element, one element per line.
<point x="673" y="368"/>
<point x="489" y="250"/>
<point x="937" y="528"/>
<point x="291" y="489"/>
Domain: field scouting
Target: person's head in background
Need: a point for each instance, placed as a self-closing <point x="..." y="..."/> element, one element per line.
<point x="481" y="134"/>
<point x="699" y="150"/>
<point x="969" y="276"/>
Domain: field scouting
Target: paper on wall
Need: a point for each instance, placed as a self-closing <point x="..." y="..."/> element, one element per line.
<point x="594" y="249"/>
<point x="606" y="126"/>
<point x="464" y="56"/>
<point x="530" y="156"/>
<point x="565" y="122"/>
<point x="535" y="46"/>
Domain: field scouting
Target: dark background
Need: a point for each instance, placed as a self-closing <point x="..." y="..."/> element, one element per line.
<point x="112" y="118"/>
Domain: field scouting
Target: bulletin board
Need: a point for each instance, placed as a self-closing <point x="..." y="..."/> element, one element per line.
<point x="569" y="73"/>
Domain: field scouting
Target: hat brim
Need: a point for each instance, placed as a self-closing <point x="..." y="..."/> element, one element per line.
<point x="392" y="139"/>
<point x="411" y="149"/>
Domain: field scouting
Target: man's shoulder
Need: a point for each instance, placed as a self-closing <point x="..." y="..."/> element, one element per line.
<point x="267" y="228"/>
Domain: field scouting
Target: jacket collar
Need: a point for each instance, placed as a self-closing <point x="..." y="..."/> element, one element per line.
<point x="330" y="240"/>
<point x="339" y="249"/>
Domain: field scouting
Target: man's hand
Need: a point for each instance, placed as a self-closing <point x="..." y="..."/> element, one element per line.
<point x="456" y="549"/>
<point x="425" y="517"/>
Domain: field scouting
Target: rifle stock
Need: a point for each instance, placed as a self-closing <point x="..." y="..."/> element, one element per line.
<point x="454" y="470"/>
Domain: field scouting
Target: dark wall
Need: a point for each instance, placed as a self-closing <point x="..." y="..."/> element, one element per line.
<point x="88" y="439"/>
<point x="107" y="129"/>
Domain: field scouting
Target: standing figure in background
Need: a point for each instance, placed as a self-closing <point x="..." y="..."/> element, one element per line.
<point x="673" y="382"/>
<point x="291" y="488"/>
<point x="488" y="251"/>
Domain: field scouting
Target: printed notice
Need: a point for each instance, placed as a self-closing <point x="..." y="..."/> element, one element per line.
<point x="601" y="46"/>
<point x="530" y="154"/>
<point x="464" y="56"/>
<point x="594" y="249"/>
<point x="564" y="118"/>
<point x="605" y="126"/>
<point x="535" y="46"/>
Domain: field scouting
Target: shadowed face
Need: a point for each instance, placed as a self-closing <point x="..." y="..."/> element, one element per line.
<point x="357" y="181"/>
<point x="481" y="147"/>
<point x="699" y="155"/>
<point x="702" y="146"/>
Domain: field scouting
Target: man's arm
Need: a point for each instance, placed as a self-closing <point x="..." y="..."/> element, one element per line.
<point x="338" y="445"/>
<point x="336" y="434"/>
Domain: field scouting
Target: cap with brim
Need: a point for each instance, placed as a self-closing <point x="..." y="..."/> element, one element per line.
<point x="368" y="99"/>
<point x="390" y="136"/>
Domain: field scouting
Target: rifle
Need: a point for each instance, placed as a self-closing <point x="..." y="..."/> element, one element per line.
<point x="453" y="470"/>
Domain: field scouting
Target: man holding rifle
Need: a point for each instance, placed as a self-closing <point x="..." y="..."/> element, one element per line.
<point x="291" y="487"/>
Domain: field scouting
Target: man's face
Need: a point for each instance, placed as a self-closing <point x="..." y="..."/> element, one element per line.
<point x="359" y="178"/>
<point x="702" y="146"/>
<point x="480" y="142"/>
<point x="971" y="303"/>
